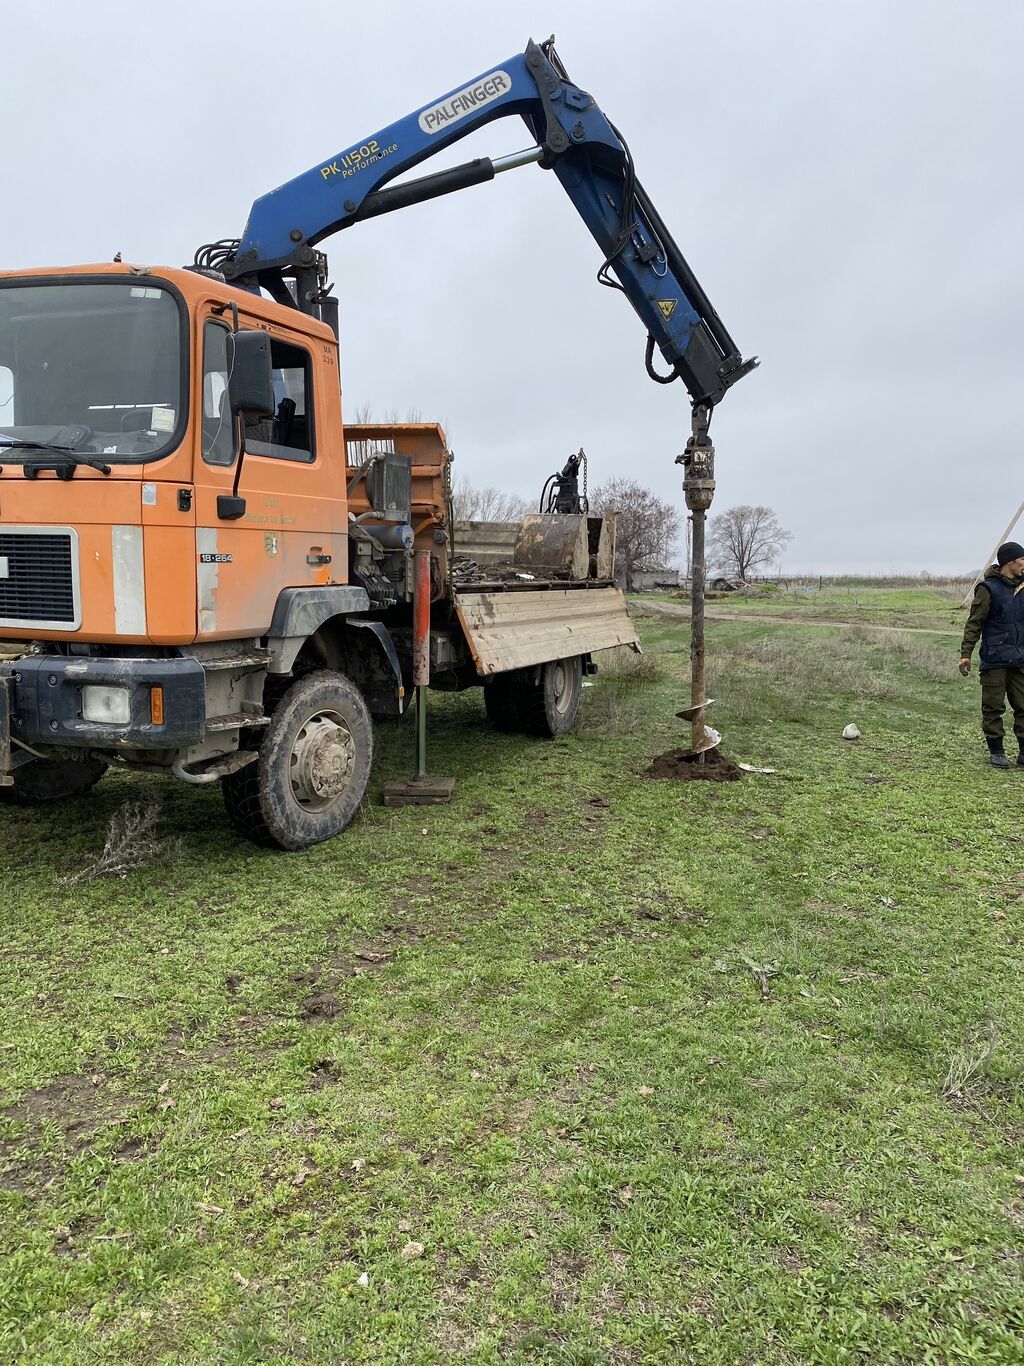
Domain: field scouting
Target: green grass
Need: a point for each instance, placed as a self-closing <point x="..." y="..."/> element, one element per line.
<point x="528" y="1031"/>
<point x="861" y="602"/>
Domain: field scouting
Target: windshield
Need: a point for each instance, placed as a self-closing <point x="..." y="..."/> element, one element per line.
<point x="93" y="367"/>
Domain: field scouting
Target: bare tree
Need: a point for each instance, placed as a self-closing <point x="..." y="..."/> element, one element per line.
<point x="364" y="415"/>
<point x="646" y="527"/>
<point x="744" y="539"/>
<point x="486" y="505"/>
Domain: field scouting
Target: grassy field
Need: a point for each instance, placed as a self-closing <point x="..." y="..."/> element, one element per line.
<point x="585" y="1068"/>
<point x="912" y="605"/>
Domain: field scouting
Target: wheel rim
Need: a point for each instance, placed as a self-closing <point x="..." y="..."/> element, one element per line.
<point x="561" y="686"/>
<point x="322" y="761"/>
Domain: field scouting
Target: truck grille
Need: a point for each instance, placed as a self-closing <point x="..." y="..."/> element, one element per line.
<point x="38" y="577"/>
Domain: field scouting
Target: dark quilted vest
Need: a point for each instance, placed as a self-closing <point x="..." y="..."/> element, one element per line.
<point x="1002" y="636"/>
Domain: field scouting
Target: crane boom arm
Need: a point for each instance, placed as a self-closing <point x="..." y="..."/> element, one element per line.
<point x="573" y="138"/>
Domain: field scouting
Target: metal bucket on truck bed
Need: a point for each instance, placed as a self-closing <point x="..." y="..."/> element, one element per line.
<point x="566" y="545"/>
<point x="558" y="546"/>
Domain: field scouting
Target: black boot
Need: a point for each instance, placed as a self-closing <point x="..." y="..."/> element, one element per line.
<point x="996" y="757"/>
<point x="1020" y="758"/>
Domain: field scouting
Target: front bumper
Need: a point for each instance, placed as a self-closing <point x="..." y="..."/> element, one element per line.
<point x="41" y="702"/>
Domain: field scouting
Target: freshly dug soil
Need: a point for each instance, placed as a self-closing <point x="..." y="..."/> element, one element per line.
<point x="685" y="767"/>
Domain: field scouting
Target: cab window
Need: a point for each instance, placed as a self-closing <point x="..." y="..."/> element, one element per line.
<point x="288" y="435"/>
<point x="219" y="443"/>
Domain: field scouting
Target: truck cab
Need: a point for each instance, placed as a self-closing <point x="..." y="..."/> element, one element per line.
<point x="151" y="576"/>
<point x="129" y="369"/>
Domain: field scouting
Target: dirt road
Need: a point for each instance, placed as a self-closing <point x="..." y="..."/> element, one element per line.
<point x="678" y="612"/>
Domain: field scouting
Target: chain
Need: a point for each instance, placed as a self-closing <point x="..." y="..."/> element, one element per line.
<point x="449" y="501"/>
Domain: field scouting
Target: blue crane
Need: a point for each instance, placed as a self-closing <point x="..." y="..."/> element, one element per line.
<point x="571" y="136"/>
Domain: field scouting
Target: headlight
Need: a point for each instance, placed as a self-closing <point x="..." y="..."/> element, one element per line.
<point x="110" y="706"/>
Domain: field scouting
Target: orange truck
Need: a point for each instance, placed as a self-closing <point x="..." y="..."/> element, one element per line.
<point x="165" y="604"/>
<point x="204" y="572"/>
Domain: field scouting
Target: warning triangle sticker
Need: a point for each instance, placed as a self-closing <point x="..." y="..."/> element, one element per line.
<point x="668" y="307"/>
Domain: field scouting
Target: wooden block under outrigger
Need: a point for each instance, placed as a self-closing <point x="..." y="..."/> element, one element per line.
<point x="425" y="791"/>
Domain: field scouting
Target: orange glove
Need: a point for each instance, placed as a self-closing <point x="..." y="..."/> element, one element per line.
<point x="965" y="666"/>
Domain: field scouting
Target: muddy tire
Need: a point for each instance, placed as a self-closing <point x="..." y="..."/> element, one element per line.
<point x="501" y="701"/>
<point x="548" y="707"/>
<point x="313" y="767"/>
<point x="51" y="780"/>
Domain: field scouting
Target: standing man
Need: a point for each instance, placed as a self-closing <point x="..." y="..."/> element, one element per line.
<point x="997" y="616"/>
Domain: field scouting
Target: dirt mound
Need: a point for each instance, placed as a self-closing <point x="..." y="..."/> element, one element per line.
<point x="322" y="1005"/>
<point x="684" y="767"/>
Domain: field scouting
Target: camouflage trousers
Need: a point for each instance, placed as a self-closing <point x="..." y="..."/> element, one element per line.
<point x="999" y="686"/>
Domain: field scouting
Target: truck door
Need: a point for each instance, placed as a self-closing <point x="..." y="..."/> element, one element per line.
<point x="292" y="531"/>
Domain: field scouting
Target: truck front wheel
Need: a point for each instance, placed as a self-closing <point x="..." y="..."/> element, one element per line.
<point x="51" y="780"/>
<point x="313" y="767"/>
<point x="549" y="707"/>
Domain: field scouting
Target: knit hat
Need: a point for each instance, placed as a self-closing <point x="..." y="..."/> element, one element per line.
<point x="1009" y="551"/>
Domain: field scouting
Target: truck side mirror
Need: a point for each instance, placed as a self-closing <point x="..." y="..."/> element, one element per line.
<point x="251" y="375"/>
<point x="251" y="394"/>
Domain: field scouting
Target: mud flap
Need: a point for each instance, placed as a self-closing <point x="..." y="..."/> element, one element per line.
<point x="512" y="630"/>
<point x="6" y="777"/>
<point x="387" y="646"/>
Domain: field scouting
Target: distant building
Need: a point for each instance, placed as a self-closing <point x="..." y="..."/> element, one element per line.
<point x="660" y="578"/>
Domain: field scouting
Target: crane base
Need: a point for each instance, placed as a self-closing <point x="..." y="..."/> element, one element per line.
<point x="425" y="791"/>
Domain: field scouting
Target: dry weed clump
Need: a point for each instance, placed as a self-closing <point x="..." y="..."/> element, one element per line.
<point x="970" y="1063"/>
<point x="780" y="674"/>
<point x="920" y="657"/>
<point x="759" y="678"/>
<point x="614" y="702"/>
<point x="131" y="843"/>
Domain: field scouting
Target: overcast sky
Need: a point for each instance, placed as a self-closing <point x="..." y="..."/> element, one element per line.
<point x="844" y="178"/>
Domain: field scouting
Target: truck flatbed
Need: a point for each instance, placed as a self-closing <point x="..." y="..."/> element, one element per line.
<point x="508" y="628"/>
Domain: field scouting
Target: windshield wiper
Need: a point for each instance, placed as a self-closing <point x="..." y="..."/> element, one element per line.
<point x="70" y="458"/>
